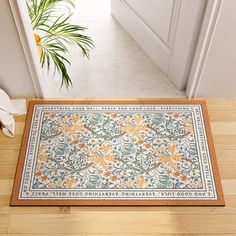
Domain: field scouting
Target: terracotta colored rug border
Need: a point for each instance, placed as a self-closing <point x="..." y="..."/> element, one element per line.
<point x="219" y="202"/>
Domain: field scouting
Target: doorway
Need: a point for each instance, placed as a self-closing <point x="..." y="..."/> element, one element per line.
<point x="118" y="67"/>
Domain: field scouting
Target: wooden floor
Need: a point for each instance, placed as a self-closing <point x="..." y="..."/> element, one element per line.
<point x="128" y="221"/>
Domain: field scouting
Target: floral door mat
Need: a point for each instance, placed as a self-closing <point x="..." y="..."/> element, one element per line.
<point x="135" y="152"/>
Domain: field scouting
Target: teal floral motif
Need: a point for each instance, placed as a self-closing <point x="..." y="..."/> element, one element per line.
<point x="117" y="150"/>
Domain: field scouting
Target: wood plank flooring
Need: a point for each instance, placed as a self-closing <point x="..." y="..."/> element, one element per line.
<point x="127" y="221"/>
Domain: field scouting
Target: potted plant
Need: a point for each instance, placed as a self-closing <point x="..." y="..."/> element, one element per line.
<point x="54" y="34"/>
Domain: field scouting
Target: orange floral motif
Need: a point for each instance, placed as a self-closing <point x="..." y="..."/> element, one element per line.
<point x="131" y="130"/>
<point x="189" y="129"/>
<point x="106" y="149"/>
<point x="129" y="183"/>
<point x="44" y="178"/>
<point x="38" y="173"/>
<point x="102" y="160"/>
<point x="138" y="120"/>
<point x="42" y="156"/>
<point x="176" y="174"/>
<point x="114" y="116"/>
<point x="140" y="183"/>
<point x="166" y="160"/>
<point x="134" y="139"/>
<point x="134" y="127"/>
<point x="70" y="182"/>
<point x="183" y="178"/>
<point x="176" y="158"/>
<point x="82" y="145"/>
<point x="75" y="120"/>
<point x="178" y="167"/>
<point x="64" y="129"/>
<point x="75" y="142"/>
<point x="73" y="129"/>
<point x="113" y="178"/>
<point x="199" y="184"/>
<point x="52" y="116"/>
<point x="176" y="115"/>
<point x="140" y="142"/>
<point x="172" y="148"/>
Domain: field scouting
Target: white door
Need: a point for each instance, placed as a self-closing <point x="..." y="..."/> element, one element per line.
<point x="166" y="29"/>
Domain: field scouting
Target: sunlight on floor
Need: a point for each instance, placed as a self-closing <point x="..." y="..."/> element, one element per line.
<point x="117" y="68"/>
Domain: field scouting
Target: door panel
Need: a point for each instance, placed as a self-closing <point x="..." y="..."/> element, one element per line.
<point x="156" y="14"/>
<point x="166" y="29"/>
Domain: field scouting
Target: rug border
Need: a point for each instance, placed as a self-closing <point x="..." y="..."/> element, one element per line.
<point x="15" y="191"/>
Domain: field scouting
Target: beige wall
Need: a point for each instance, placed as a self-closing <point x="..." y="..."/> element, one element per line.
<point x="14" y="73"/>
<point x="218" y="78"/>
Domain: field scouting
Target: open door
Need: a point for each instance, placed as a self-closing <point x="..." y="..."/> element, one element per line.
<point x="166" y="29"/>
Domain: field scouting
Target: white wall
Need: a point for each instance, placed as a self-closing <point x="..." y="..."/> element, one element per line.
<point x="14" y="73"/>
<point x="218" y="78"/>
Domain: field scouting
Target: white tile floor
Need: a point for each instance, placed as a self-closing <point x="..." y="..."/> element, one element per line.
<point x="117" y="68"/>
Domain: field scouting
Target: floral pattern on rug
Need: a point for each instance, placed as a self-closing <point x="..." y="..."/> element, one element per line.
<point x="117" y="150"/>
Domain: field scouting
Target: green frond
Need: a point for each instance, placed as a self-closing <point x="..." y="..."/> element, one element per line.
<point x="56" y="34"/>
<point x="51" y="53"/>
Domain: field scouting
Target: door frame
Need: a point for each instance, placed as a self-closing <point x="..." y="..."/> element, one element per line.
<point x="23" y="24"/>
<point x="26" y="34"/>
<point x="208" y="26"/>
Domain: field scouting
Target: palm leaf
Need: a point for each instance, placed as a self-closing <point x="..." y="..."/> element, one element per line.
<point x="57" y="34"/>
<point x="52" y="53"/>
